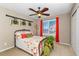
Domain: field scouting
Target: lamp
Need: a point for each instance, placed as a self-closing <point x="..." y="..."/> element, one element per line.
<point x="39" y="15"/>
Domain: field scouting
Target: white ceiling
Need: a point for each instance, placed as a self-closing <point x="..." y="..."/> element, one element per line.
<point x="54" y="8"/>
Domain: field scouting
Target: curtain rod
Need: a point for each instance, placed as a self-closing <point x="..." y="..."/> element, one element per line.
<point x="17" y="18"/>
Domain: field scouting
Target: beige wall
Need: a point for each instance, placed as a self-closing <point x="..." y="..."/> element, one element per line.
<point x="64" y="28"/>
<point x="7" y="30"/>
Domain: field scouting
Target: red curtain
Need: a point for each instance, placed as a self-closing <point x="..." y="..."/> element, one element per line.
<point x="41" y="25"/>
<point x="57" y="29"/>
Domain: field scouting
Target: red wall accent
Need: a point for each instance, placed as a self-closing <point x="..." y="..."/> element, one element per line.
<point x="41" y="31"/>
<point x="57" y="29"/>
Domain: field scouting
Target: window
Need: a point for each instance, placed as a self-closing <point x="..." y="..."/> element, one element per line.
<point x="45" y="27"/>
<point x="49" y="27"/>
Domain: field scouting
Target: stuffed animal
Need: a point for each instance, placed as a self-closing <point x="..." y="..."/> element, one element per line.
<point x="46" y="51"/>
<point x="48" y="45"/>
<point x="47" y="48"/>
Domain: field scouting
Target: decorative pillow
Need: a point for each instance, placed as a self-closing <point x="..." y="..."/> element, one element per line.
<point x="24" y="35"/>
<point x="29" y="35"/>
<point x="18" y="36"/>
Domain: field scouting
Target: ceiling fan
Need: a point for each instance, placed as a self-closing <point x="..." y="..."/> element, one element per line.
<point x="39" y="12"/>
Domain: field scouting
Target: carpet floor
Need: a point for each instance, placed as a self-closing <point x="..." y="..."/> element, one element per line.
<point x="59" y="50"/>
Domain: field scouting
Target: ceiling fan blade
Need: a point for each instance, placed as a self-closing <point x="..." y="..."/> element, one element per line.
<point x="45" y="9"/>
<point x="32" y="14"/>
<point x="46" y="14"/>
<point x="32" y="10"/>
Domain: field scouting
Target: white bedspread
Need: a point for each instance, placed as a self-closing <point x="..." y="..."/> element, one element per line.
<point x="30" y="44"/>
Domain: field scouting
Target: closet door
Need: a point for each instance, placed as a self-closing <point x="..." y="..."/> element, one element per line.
<point x="73" y="32"/>
<point x="77" y="33"/>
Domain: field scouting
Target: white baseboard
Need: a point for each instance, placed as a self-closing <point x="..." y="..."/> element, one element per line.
<point x="6" y="49"/>
<point x="65" y="44"/>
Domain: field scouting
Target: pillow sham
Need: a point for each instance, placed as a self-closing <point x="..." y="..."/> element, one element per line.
<point x="18" y="35"/>
<point x="23" y="35"/>
<point x="29" y="35"/>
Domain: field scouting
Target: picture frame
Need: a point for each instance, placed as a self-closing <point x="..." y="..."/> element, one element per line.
<point x="29" y="23"/>
<point x="14" y="22"/>
<point x="23" y="23"/>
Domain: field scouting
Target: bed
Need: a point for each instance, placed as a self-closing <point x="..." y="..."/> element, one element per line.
<point x="33" y="45"/>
